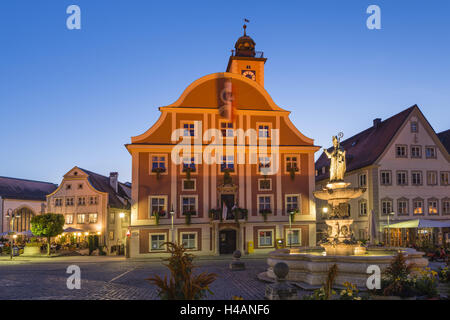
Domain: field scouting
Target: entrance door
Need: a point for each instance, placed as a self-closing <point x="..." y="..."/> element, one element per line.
<point x="227" y="241"/>
<point x="228" y="199"/>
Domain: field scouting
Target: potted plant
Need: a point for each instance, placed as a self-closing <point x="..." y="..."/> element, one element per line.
<point x="188" y="170"/>
<point x="265" y="212"/>
<point x="156" y="215"/>
<point x="292" y="170"/>
<point x="158" y="172"/>
<point x="227" y="176"/>
<point x="188" y="216"/>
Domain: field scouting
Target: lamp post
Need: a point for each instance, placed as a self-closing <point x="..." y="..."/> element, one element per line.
<point x="291" y="215"/>
<point x="172" y="213"/>
<point x="12" y="215"/>
<point x="389" y="229"/>
<point x="121" y="216"/>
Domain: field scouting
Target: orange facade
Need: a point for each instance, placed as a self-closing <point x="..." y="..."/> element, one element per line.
<point x="252" y="133"/>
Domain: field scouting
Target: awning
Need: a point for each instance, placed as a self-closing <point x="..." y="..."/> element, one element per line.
<point x="70" y="229"/>
<point x="419" y="223"/>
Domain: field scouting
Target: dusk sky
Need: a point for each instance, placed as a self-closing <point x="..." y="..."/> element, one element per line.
<point x="75" y="97"/>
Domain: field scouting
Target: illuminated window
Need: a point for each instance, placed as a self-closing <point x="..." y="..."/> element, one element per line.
<point x="433" y="206"/>
<point x="294" y="237"/>
<point x="69" y="218"/>
<point x="418" y="206"/>
<point x="158" y="204"/>
<point x="81" y="218"/>
<point x="93" y="218"/>
<point x="265" y="238"/>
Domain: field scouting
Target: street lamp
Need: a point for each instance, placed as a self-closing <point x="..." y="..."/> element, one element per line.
<point x="172" y="213"/>
<point x="12" y="215"/>
<point x="291" y="216"/>
<point x="389" y="229"/>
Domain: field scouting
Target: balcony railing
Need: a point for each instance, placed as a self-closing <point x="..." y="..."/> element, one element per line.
<point x="258" y="54"/>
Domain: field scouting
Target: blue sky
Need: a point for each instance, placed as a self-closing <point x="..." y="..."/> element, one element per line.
<point x="75" y="97"/>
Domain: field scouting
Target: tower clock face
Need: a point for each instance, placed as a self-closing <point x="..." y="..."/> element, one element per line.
<point x="249" y="74"/>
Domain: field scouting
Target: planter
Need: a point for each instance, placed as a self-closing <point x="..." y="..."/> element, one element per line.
<point x="32" y="251"/>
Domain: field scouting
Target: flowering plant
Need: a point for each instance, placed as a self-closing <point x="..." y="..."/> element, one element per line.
<point x="350" y="292"/>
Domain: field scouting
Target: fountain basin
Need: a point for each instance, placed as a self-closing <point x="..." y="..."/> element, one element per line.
<point x="310" y="266"/>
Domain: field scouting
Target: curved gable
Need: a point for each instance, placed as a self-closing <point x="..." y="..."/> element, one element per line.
<point x="204" y="93"/>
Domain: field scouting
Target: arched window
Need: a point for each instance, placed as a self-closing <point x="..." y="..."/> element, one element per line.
<point x="22" y="223"/>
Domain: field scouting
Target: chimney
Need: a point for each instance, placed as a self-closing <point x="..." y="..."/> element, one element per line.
<point x="114" y="180"/>
<point x="376" y="122"/>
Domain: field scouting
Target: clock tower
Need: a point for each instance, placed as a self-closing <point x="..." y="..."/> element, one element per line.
<point x="244" y="60"/>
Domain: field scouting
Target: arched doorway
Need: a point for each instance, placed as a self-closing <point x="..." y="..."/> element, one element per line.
<point x="22" y="223"/>
<point x="227" y="241"/>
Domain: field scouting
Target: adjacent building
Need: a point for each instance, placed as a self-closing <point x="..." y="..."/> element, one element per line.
<point x="244" y="197"/>
<point x="27" y="198"/>
<point x="405" y="168"/>
<point x="94" y="204"/>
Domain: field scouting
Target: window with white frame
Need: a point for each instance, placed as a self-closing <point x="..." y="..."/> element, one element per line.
<point x="294" y="237"/>
<point x="265" y="238"/>
<point x="363" y="208"/>
<point x="292" y="202"/>
<point x="188" y="185"/>
<point x="157" y="241"/>
<point x="362" y="179"/>
<point x="418" y="206"/>
<point x="386" y="178"/>
<point x="446" y="206"/>
<point x="402" y="206"/>
<point x="227" y="129"/>
<point x="386" y="206"/>
<point x="189" y="204"/>
<point x="264" y="203"/>
<point x="81" y="218"/>
<point x="58" y="202"/>
<point x="227" y="164"/>
<point x="189" y="240"/>
<point x="432" y="178"/>
<point x="433" y="206"/>
<point x="93" y="218"/>
<point x="416" y="178"/>
<point x="69" y="218"/>
<point x="430" y="152"/>
<point x="158" y="204"/>
<point x="158" y="163"/>
<point x="401" y="151"/>
<point x="402" y="178"/>
<point x="189" y="163"/>
<point x="292" y="163"/>
<point x="445" y="175"/>
<point x="416" y="152"/>
<point x="69" y="202"/>
<point x="264" y="130"/>
<point x="189" y="129"/>
<point x="263" y="162"/>
<point x="265" y="184"/>
<point x="93" y="200"/>
<point x="81" y="201"/>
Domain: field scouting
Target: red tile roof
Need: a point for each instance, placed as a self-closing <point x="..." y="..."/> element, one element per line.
<point x="364" y="148"/>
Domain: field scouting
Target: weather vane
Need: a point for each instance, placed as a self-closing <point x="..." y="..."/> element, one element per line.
<point x="245" y="26"/>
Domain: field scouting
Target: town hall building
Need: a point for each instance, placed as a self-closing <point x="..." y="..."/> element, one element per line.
<point x="223" y="168"/>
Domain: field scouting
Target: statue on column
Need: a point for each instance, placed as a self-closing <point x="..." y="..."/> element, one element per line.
<point x="337" y="157"/>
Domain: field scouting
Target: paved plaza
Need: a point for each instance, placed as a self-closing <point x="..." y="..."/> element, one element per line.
<point x="118" y="278"/>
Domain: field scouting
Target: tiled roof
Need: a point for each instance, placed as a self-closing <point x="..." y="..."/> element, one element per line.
<point x="364" y="148"/>
<point x="445" y="139"/>
<point x="13" y="188"/>
<point x="120" y="199"/>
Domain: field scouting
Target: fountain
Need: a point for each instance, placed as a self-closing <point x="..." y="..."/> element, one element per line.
<point x="309" y="267"/>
